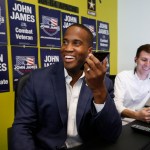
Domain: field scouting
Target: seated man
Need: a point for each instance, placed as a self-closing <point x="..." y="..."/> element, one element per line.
<point x="132" y="88"/>
<point x="64" y="106"/>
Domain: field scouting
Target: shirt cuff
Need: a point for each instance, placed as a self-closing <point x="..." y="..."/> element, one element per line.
<point x="99" y="107"/>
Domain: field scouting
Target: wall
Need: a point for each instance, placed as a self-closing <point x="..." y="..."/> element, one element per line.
<point x="106" y="11"/>
<point x="133" y="30"/>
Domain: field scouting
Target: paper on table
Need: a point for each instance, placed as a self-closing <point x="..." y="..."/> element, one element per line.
<point x="127" y="120"/>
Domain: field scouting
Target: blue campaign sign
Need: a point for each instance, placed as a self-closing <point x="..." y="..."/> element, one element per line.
<point x="91" y="24"/>
<point x="108" y="65"/>
<point x="67" y="20"/>
<point x="3" y="33"/>
<point x="24" y="60"/>
<point x="4" y="80"/>
<point x="49" y="57"/>
<point x="103" y="35"/>
<point x="50" y="34"/>
<point x="22" y="23"/>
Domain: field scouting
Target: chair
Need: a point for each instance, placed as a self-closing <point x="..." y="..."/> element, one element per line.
<point x="112" y="77"/>
<point x="21" y="83"/>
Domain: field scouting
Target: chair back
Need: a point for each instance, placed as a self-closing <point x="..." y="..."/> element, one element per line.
<point x="112" y="77"/>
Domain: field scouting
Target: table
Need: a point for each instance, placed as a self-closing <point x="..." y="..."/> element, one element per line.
<point x="128" y="140"/>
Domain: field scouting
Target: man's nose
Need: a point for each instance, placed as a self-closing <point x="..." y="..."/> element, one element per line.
<point x="69" y="47"/>
<point x="147" y="63"/>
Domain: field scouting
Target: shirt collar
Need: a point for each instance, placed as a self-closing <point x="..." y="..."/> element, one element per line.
<point x="148" y="77"/>
<point x="67" y="75"/>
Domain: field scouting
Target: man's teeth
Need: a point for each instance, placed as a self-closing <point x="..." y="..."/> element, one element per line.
<point x="69" y="57"/>
<point x="146" y="69"/>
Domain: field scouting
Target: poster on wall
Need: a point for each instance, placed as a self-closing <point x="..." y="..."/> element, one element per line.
<point x="91" y="24"/>
<point x="22" y="23"/>
<point x="49" y="57"/>
<point x="91" y="4"/>
<point x="4" y="79"/>
<point x="103" y="35"/>
<point x="67" y="20"/>
<point x="24" y="60"/>
<point x="3" y="33"/>
<point x="108" y="65"/>
<point x="50" y="34"/>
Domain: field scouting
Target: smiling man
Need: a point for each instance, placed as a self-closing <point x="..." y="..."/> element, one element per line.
<point x="132" y="87"/>
<point x="67" y="104"/>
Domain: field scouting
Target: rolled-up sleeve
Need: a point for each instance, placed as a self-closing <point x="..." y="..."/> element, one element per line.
<point x="119" y="91"/>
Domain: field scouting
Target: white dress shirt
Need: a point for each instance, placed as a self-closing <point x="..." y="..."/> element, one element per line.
<point x="73" y="93"/>
<point x="131" y="92"/>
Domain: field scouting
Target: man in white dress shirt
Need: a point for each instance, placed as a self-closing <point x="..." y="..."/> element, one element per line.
<point x="132" y="88"/>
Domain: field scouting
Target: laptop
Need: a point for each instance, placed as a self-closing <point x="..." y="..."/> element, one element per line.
<point x="147" y="104"/>
<point x="141" y="127"/>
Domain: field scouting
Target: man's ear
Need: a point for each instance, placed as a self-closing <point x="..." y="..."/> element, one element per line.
<point x="135" y="59"/>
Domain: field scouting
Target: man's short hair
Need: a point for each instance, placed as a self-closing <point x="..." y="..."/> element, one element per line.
<point x="90" y="37"/>
<point x="145" y="48"/>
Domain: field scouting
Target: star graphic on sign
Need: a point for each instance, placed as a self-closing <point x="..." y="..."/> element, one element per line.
<point x="91" y="5"/>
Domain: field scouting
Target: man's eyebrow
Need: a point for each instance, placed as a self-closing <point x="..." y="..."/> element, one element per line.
<point x="77" y="40"/>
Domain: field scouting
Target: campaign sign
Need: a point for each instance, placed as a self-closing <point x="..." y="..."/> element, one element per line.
<point x="103" y="35"/>
<point x="22" y="23"/>
<point x="108" y="65"/>
<point x="24" y="60"/>
<point x="4" y="80"/>
<point x="91" y="24"/>
<point x="3" y="34"/>
<point x="50" y="34"/>
<point x="49" y="57"/>
<point x="67" y="20"/>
